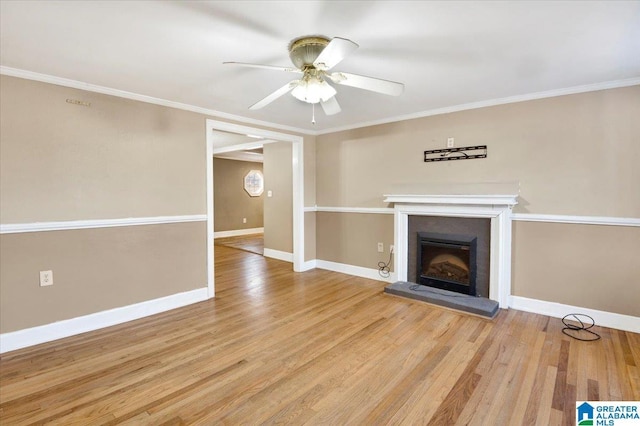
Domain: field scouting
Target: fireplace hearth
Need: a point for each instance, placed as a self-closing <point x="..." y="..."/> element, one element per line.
<point x="447" y="262"/>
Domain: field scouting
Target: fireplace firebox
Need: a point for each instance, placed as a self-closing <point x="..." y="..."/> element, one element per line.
<point x="447" y="261"/>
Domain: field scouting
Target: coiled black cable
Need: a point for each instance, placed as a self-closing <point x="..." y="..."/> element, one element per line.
<point x="573" y="330"/>
<point x="383" y="268"/>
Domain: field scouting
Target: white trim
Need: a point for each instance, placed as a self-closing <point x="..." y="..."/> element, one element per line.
<point x="522" y="217"/>
<point x="211" y="291"/>
<point x="240" y="147"/>
<point x="491" y="102"/>
<point x="14" y="228"/>
<point x="238" y="232"/>
<point x="495" y="199"/>
<point x="378" y="210"/>
<point x="252" y="157"/>
<point x="585" y="220"/>
<point x="297" y="163"/>
<point x="277" y="254"/>
<point x="559" y="310"/>
<point x="309" y="265"/>
<point x="58" y="330"/>
<point x="30" y="75"/>
<point x="357" y="271"/>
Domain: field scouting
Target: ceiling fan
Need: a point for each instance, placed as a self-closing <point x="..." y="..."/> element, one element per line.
<point x="314" y="57"/>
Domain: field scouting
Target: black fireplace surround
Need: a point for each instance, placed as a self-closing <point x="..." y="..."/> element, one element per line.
<point x="447" y="261"/>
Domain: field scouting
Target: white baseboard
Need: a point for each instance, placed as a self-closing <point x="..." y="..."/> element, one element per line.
<point x="309" y="265"/>
<point x="58" y="330"/>
<point x="559" y="310"/>
<point x="358" y="271"/>
<point x="277" y="254"/>
<point x="238" y="232"/>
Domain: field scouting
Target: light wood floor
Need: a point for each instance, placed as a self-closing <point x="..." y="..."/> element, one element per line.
<point x="253" y="243"/>
<point x="316" y="348"/>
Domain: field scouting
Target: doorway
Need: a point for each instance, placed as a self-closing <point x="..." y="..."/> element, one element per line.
<point x="297" y="169"/>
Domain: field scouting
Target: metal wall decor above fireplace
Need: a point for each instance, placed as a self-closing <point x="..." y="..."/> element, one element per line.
<point x="447" y="262"/>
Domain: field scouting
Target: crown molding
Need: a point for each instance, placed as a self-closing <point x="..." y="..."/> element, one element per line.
<point x="492" y="102"/>
<point x="45" y="78"/>
<point x="59" y="81"/>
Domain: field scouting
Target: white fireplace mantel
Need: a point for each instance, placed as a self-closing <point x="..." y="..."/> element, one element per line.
<point x="495" y="207"/>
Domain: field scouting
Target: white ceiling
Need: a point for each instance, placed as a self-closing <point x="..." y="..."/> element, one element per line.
<point x="447" y="54"/>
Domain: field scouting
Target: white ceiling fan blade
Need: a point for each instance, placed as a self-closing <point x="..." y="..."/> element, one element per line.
<point x="337" y="49"/>
<point x="268" y="67"/>
<point x="331" y="106"/>
<point x="275" y="95"/>
<point x="385" y="87"/>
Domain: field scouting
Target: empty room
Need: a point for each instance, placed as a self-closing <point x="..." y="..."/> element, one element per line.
<point x="319" y="212"/>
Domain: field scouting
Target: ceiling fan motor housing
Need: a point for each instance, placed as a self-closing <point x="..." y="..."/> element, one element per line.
<point x="303" y="51"/>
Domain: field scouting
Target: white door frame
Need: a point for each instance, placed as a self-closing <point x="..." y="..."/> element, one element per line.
<point x="297" y="164"/>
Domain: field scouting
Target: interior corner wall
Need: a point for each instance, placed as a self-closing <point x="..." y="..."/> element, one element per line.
<point x="352" y="238"/>
<point x="309" y="171"/>
<point x="573" y="155"/>
<point x="114" y="159"/>
<point x="278" y="208"/>
<point x="310" y="198"/>
<point x="232" y="203"/>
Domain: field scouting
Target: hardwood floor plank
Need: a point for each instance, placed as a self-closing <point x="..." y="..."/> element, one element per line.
<point x="561" y="377"/>
<point x="317" y="347"/>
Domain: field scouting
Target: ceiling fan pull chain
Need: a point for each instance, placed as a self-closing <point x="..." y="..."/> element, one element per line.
<point x="313" y="113"/>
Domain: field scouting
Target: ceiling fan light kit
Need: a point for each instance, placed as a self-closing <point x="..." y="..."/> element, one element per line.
<point x="313" y="89"/>
<point x="313" y="56"/>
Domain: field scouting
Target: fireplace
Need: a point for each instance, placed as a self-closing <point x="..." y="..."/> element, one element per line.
<point x="487" y="202"/>
<point x="447" y="261"/>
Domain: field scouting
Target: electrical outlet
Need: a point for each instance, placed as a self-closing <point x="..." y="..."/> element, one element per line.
<point x="380" y="248"/>
<point x="450" y="142"/>
<point x="46" y="278"/>
<point x="244" y="220"/>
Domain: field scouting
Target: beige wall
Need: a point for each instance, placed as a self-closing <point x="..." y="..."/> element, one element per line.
<point x="309" y="236"/>
<point x="278" y="209"/>
<point x="115" y="159"/>
<point x="309" y="171"/>
<point x="589" y="266"/>
<point x="573" y="155"/>
<point x="353" y="238"/>
<point x="309" y="197"/>
<point x="231" y="202"/>
<point x="96" y="269"/>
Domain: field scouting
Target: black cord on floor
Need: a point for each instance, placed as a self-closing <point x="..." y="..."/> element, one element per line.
<point x="383" y="268"/>
<point x="591" y="335"/>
